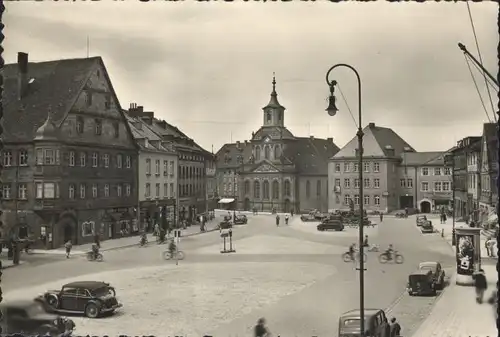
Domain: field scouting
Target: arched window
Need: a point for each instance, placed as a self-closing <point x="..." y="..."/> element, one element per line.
<point x="287" y="188"/>
<point x="257" y="153"/>
<point x="276" y="190"/>
<point x="267" y="152"/>
<point x="265" y="188"/>
<point x="277" y="152"/>
<point x="247" y="187"/>
<point x="269" y="117"/>
<point x="308" y="189"/>
<point x="318" y="188"/>
<point x="256" y="189"/>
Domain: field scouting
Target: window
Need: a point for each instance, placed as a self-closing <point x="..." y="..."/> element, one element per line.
<point x="265" y="189"/>
<point x="347" y="183"/>
<point x="437" y="171"/>
<point x="287" y="188"/>
<point x="83" y="158"/>
<point x="148" y="166"/>
<point x="49" y="157"/>
<point x="276" y="190"/>
<point x="446" y="186"/>
<point x="356" y="167"/>
<point x="376" y="167"/>
<point x="71" y="191"/>
<point x="106" y="190"/>
<point x="157" y="190"/>
<point x="88" y="228"/>
<point x="356" y="199"/>
<point x="437" y="186"/>
<point x="128" y="162"/>
<point x="7" y="158"/>
<point x="268" y="116"/>
<point x="88" y="98"/>
<point x="277" y="152"/>
<point x="39" y="157"/>
<point x="424" y="186"/>
<point x="23" y="158"/>
<point x="356" y="183"/>
<point x="366" y="182"/>
<point x="79" y="125"/>
<point x="409" y="183"/>
<point x="119" y="190"/>
<point x="165" y="190"/>
<point x="82" y="191"/>
<point x="230" y="187"/>
<point x="39" y="190"/>
<point x="366" y="167"/>
<point x="257" y="152"/>
<point x="147" y="193"/>
<point x="347" y="199"/>
<point x="119" y="160"/>
<point x="106" y="160"/>
<point x="337" y="182"/>
<point x="318" y="188"/>
<point x="98" y="127"/>
<point x="116" y="130"/>
<point x="308" y="189"/>
<point x="425" y="171"/>
<point x="337" y="167"/>
<point x="447" y="171"/>
<point x="165" y="168"/>
<point x="402" y="182"/>
<point x="6" y="192"/>
<point x="94" y="191"/>
<point x="366" y="199"/>
<point x="172" y="193"/>
<point x="267" y="153"/>
<point x="347" y="167"/>
<point x="157" y="167"/>
<point x="376" y="183"/>
<point x="376" y="200"/>
<point x="171" y="170"/>
<point x="128" y="189"/>
<point x="95" y="159"/>
<point x="71" y="158"/>
<point x="256" y="189"/>
<point x="22" y="192"/>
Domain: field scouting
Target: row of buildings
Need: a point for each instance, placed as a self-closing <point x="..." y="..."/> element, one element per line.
<point x="76" y="163"/>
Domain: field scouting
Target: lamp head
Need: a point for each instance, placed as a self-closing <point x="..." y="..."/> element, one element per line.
<point x="332" y="107"/>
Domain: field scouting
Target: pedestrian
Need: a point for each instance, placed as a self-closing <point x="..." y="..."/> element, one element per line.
<point x="68" y="245"/>
<point x="277" y="220"/>
<point x="490" y="247"/>
<point x="291" y="212"/>
<point x="260" y="329"/>
<point x="395" y="328"/>
<point x="480" y="284"/>
<point x="381" y="216"/>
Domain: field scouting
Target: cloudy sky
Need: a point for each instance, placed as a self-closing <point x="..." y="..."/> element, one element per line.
<point x="207" y="67"/>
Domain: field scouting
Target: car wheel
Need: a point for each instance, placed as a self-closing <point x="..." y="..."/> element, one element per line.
<point x="52" y="301"/>
<point x="92" y="310"/>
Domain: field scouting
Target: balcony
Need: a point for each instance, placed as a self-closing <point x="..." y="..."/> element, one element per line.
<point x="44" y="205"/>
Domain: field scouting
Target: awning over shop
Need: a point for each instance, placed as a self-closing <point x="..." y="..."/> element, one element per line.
<point x="226" y="200"/>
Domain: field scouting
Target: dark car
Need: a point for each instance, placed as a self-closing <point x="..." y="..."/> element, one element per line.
<point x="421" y="219"/>
<point x="438" y="273"/>
<point x="427" y="227"/>
<point x="240" y="219"/>
<point x="376" y="323"/>
<point x="91" y="298"/>
<point x="225" y="225"/>
<point x="30" y="318"/>
<point x="326" y="225"/>
<point x="421" y="283"/>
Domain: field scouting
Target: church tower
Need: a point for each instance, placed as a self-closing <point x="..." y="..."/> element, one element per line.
<point x="274" y="111"/>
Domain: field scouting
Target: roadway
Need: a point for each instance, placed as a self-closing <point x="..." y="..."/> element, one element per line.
<point x="292" y="275"/>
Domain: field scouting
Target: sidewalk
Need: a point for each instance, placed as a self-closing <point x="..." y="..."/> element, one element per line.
<point x="9" y="264"/>
<point x="456" y="313"/>
<point x="126" y="242"/>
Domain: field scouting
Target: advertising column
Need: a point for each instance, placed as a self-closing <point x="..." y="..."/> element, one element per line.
<point x="468" y="254"/>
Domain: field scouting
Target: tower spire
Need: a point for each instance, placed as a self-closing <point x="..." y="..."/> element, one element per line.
<point x="274" y="83"/>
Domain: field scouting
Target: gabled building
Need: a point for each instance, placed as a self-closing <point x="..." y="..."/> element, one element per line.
<point x="69" y="157"/>
<point x="382" y="152"/>
<point x="275" y="169"/>
<point x="488" y="171"/>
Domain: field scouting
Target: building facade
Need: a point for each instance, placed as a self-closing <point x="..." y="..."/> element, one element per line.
<point x="275" y="169"/>
<point x="488" y="173"/>
<point x="157" y="176"/>
<point x="70" y="160"/>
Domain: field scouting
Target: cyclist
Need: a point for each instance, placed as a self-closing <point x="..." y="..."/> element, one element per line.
<point x="95" y="250"/>
<point x="389" y="252"/>
<point x="260" y="329"/>
<point x="172" y="248"/>
<point x="352" y="250"/>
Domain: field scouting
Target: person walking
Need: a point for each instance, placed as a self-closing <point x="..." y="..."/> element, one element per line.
<point x="381" y="216"/>
<point x="260" y="329"/>
<point x="480" y="284"/>
<point x="68" y="245"/>
<point x="490" y="244"/>
<point x="395" y="328"/>
<point x="277" y="220"/>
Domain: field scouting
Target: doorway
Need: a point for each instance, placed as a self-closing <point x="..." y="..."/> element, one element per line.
<point x="405" y="201"/>
<point x="246" y="205"/>
<point x="68" y="232"/>
<point x="425" y="207"/>
<point x="287" y="206"/>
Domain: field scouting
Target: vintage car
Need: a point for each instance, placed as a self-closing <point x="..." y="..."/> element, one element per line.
<point x="376" y="323"/>
<point x="327" y="224"/>
<point x="91" y="298"/>
<point x="420" y="219"/>
<point x="421" y="283"/>
<point x="427" y="227"/>
<point x="308" y="218"/>
<point x="30" y="318"/>
<point x="240" y="219"/>
<point x="438" y="273"/>
<point x="225" y="225"/>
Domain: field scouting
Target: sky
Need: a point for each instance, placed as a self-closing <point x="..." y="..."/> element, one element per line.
<point x="207" y="67"/>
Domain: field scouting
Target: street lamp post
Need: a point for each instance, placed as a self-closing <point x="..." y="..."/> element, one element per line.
<point x="332" y="110"/>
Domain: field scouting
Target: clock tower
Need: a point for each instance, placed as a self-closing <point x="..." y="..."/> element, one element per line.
<point x="274" y="111"/>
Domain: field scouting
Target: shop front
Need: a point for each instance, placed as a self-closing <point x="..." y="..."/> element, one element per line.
<point x="153" y="211"/>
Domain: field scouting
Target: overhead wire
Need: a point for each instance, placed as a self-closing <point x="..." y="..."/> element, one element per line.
<point x="347" y="105"/>
<point x="480" y="57"/>
<point x="492" y="84"/>
<point x="477" y="88"/>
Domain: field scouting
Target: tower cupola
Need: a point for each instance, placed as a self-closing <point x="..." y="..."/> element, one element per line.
<point x="274" y="111"/>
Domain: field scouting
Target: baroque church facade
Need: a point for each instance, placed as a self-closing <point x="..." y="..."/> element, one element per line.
<point x="275" y="169"/>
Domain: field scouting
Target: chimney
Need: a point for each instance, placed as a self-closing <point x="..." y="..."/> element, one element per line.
<point x="238" y="144"/>
<point x="246" y="142"/>
<point x="22" y="76"/>
<point x="312" y="137"/>
<point x="371" y="125"/>
<point x="162" y="124"/>
<point x="330" y="139"/>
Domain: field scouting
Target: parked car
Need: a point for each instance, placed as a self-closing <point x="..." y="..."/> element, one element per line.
<point x="421" y="283"/>
<point x="30" y="318"/>
<point x="421" y="219"/>
<point x="326" y="225"/>
<point x="307" y="218"/>
<point x="240" y="219"/>
<point x="225" y="225"/>
<point x="427" y="227"/>
<point x="438" y="273"/>
<point x="376" y="323"/>
<point x="91" y="298"/>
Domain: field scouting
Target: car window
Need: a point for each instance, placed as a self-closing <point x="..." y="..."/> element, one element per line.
<point x="83" y="292"/>
<point x="69" y="291"/>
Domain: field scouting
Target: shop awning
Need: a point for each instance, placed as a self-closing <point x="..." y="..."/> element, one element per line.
<point x="226" y="200"/>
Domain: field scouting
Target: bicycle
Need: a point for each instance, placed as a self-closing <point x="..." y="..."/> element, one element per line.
<point x="178" y="255"/>
<point x="396" y="257"/>
<point x="347" y="257"/>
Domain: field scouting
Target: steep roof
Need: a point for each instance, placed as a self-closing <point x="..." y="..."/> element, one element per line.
<point x="273" y="102"/>
<point x="423" y="158"/>
<point x="377" y="142"/>
<point x="141" y="130"/>
<point x="53" y="86"/>
<point x="273" y="132"/>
